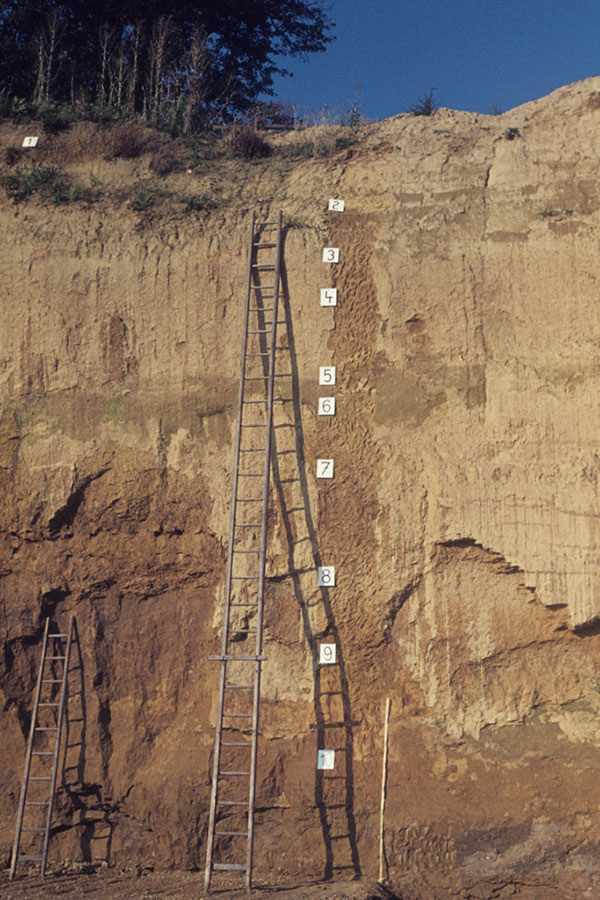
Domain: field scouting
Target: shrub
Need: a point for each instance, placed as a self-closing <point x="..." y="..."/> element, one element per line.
<point x="12" y="155"/>
<point x="301" y="149"/>
<point x="126" y="140"/>
<point x="511" y="133"/>
<point x="196" y="203"/>
<point x="244" y="143"/>
<point x="142" y="201"/>
<point x="56" y="118"/>
<point x="22" y="183"/>
<point x="426" y="105"/>
<point x="165" y="164"/>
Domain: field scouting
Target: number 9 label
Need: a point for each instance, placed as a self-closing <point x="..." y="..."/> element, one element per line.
<point x="331" y="254"/>
<point x="326" y="576"/>
<point x="327" y="654"/>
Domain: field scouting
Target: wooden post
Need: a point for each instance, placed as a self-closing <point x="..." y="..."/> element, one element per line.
<point x="383" y="786"/>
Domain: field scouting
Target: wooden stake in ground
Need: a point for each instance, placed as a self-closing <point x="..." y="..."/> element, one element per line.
<point x="388" y="703"/>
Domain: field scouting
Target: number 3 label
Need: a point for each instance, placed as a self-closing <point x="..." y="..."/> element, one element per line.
<point x="324" y="468"/>
<point x="327" y="406"/>
<point x="331" y="254"/>
<point x="326" y="576"/>
<point x="328" y="296"/>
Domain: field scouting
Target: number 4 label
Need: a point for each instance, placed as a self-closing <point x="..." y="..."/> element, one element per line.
<point x="331" y="254"/>
<point x="336" y="205"/>
<point x="324" y="468"/>
<point x="327" y="406"/>
<point x="326" y="374"/>
<point x="328" y="296"/>
<point x="326" y="576"/>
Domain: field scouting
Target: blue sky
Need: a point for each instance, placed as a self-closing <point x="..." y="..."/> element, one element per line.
<point x="476" y="53"/>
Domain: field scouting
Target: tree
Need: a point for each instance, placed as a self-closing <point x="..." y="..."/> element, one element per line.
<point x="240" y="49"/>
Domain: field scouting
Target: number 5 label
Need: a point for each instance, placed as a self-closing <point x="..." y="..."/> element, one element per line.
<point x="336" y="205"/>
<point x="326" y="576"/>
<point x="326" y="374"/>
<point x="331" y="254"/>
<point x="327" y="406"/>
<point x="324" y="468"/>
<point x="328" y="296"/>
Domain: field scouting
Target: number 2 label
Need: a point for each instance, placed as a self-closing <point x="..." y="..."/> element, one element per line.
<point x="331" y="254"/>
<point x="336" y="205"/>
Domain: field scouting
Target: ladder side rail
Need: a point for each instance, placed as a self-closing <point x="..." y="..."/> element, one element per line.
<point x="27" y="768"/>
<point x="262" y="558"/>
<point x="224" y="640"/>
<point x="59" y="724"/>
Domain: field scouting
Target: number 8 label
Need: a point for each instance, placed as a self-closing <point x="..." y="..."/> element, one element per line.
<point x="326" y="576"/>
<point x="331" y="254"/>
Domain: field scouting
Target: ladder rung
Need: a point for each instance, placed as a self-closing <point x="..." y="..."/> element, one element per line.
<point x="228" y="867"/>
<point x="234" y="744"/>
<point x="233" y="803"/>
<point x="33" y="829"/>
<point x="245" y="551"/>
<point x="253" y="450"/>
<point x="30" y="858"/>
<point x="222" y="774"/>
<point x="47" y="728"/>
<point x="261" y="308"/>
<point x="52" y="681"/>
<point x="244" y="604"/>
<point x="263" y="267"/>
<point x="265" y="245"/>
<point x="49" y="704"/>
<point x="261" y="287"/>
<point x="57" y="635"/>
<point x="244" y="425"/>
<point x="244" y="577"/>
<point x="42" y="753"/>
<point x="51" y="658"/>
<point x="228" y="656"/>
<point x="233" y="833"/>
<point x="40" y="778"/>
<point x="235" y="630"/>
<point x="255" y="401"/>
<point x="252" y="474"/>
<point x="259" y="330"/>
<point x="37" y="803"/>
<point x="249" y="499"/>
<point x="239" y="687"/>
<point x="238" y="715"/>
<point x="257" y="354"/>
<point x="248" y="525"/>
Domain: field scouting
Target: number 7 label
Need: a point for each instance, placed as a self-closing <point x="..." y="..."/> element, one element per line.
<point x="324" y="468"/>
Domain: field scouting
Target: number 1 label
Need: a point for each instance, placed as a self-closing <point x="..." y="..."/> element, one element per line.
<point x="30" y="142"/>
<point x="328" y="296"/>
<point x="327" y="406"/>
<point x="336" y="205"/>
<point x="326" y="374"/>
<point x="326" y="576"/>
<point x="331" y="254"/>
<point x="324" y="468"/>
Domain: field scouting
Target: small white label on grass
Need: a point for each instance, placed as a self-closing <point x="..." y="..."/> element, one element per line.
<point x="327" y="406"/>
<point x="327" y="654"/>
<point x="326" y="374"/>
<point x="336" y="205"/>
<point x="328" y="296"/>
<point x="325" y="759"/>
<point x="326" y="576"/>
<point x="331" y="254"/>
<point x="30" y="142"/>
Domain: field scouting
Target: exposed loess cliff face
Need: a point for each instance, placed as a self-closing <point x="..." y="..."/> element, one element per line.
<point x="462" y="519"/>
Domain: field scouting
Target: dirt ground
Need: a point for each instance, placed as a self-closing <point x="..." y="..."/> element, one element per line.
<point x="139" y="885"/>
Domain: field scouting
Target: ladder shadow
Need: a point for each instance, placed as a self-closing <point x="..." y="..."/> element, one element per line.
<point x="291" y="514"/>
<point x="91" y="817"/>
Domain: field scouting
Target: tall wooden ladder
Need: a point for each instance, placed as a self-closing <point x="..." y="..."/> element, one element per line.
<point x="231" y="822"/>
<point x="38" y="788"/>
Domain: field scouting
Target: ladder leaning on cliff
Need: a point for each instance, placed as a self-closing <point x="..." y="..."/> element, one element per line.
<point x="43" y="746"/>
<point x="231" y="823"/>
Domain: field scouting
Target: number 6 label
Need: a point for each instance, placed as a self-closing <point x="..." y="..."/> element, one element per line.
<point x="324" y="468"/>
<point x="331" y="254"/>
<point x="327" y="406"/>
<point x="326" y="576"/>
<point x="328" y="296"/>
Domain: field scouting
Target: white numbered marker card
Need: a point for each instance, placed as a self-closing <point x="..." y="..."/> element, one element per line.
<point x="327" y="406"/>
<point x="328" y="296"/>
<point x="324" y="468"/>
<point x="326" y="374"/>
<point x="331" y="254"/>
<point x="336" y="205"/>
<point x="325" y="759"/>
<point x="30" y="142"/>
<point x="326" y="576"/>
<point x="327" y="654"/>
